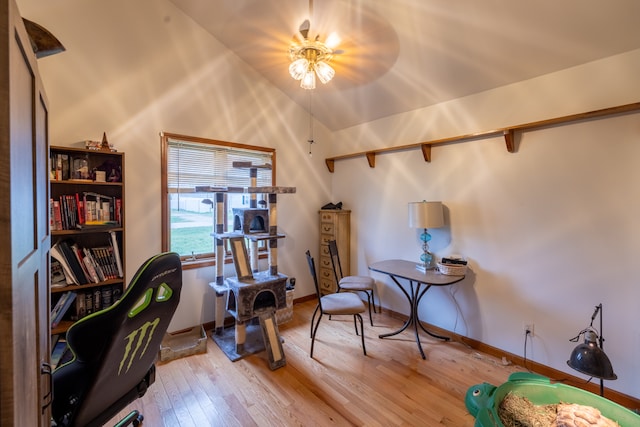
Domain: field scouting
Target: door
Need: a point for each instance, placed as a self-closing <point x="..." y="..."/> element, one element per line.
<point x="24" y="230"/>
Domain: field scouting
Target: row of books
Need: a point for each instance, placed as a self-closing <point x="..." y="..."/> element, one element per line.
<point x="73" y="211"/>
<point x="79" y="266"/>
<point x="83" y="303"/>
<point x="91" y="301"/>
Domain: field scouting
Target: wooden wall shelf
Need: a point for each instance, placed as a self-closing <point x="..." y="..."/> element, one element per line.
<point x="507" y="132"/>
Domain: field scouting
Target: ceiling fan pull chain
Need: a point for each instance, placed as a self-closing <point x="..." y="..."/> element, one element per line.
<point x="310" y="140"/>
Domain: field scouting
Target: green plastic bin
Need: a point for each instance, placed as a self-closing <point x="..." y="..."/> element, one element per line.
<point x="483" y="400"/>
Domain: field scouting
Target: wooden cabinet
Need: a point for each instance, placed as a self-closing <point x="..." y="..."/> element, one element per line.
<point x="334" y="225"/>
<point x="87" y="222"/>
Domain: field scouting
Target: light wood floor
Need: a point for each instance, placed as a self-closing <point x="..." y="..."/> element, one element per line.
<point x="340" y="386"/>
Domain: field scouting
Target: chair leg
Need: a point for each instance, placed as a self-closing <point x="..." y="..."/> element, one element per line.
<point x="373" y="300"/>
<point x="313" y="318"/>
<point x="370" y="300"/>
<point x="364" y="349"/>
<point x="313" y="334"/>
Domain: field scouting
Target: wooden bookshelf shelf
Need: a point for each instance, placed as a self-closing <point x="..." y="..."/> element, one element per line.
<point x="509" y="134"/>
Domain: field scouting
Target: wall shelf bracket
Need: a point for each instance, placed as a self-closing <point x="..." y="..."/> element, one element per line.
<point x="509" y="139"/>
<point x="371" y="159"/>
<point x="426" y="152"/>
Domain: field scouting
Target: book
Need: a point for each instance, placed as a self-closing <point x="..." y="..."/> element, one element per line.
<point x="88" y="302"/>
<point x="58" y="278"/>
<point x="72" y="260"/>
<point x="80" y="208"/>
<point x="93" y="274"/>
<point x="80" y="257"/>
<point x="81" y="309"/>
<point x="99" y="254"/>
<point x="94" y="263"/>
<point x="56" y="215"/>
<point x="61" y="308"/>
<point x="118" y="211"/>
<point x="56" y="254"/>
<point x="116" y="253"/>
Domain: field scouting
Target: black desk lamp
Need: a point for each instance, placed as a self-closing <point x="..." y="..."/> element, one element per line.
<point x="590" y="359"/>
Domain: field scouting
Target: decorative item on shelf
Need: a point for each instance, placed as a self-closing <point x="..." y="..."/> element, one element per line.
<point x="425" y="215"/>
<point x="332" y="206"/>
<point x="92" y="145"/>
<point x="105" y="144"/>
<point x="590" y="359"/>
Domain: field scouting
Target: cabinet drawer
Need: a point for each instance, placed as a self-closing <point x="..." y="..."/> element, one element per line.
<point x="327" y="286"/>
<point x="325" y="262"/>
<point x="326" y="274"/>
<point x="326" y="217"/>
<point x="324" y="239"/>
<point x="327" y="228"/>
<point x="324" y="250"/>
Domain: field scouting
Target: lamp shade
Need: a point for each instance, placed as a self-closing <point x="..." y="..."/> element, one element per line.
<point x="426" y="214"/>
<point x="590" y="359"/>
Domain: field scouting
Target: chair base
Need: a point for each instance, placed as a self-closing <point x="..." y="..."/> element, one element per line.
<point x="134" y="418"/>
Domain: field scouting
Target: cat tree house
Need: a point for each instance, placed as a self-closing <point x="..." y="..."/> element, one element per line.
<point x="251" y="293"/>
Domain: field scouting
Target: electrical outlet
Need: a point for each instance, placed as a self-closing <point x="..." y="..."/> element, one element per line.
<point x="528" y="327"/>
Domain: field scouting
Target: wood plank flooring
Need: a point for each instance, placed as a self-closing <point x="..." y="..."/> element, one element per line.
<point x="391" y="386"/>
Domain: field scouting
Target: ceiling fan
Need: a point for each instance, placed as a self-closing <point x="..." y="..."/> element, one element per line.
<point x="310" y="57"/>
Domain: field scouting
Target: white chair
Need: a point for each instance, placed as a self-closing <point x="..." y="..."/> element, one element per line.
<point x="364" y="284"/>
<point x="334" y="305"/>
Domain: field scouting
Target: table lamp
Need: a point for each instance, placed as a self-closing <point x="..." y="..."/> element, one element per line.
<point x="425" y="215"/>
<point x="590" y="359"/>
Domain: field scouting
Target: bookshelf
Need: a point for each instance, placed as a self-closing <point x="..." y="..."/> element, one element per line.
<point x="86" y="201"/>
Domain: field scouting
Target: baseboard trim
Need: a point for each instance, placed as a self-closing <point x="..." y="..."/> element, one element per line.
<point x="538" y="368"/>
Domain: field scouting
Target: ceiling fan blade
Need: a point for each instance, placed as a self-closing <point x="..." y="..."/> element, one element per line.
<point x="304" y="28"/>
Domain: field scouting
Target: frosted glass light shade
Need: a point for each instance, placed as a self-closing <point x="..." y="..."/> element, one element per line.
<point x="298" y="68"/>
<point x="309" y="80"/>
<point x="426" y="214"/>
<point x="325" y="71"/>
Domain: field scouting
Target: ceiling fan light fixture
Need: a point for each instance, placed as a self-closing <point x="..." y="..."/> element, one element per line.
<point x="309" y="80"/>
<point x="308" y="58"/>
<point x="324" y="71"/>
<point x="299" y="68"/>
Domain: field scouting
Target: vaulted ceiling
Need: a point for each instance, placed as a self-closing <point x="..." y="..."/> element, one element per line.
<point x="401" y="55"/>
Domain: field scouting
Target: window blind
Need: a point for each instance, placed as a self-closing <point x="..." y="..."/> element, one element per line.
<point x="191" y="164"/>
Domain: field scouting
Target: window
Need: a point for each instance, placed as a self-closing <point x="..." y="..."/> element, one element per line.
<point x="187" y="215"/>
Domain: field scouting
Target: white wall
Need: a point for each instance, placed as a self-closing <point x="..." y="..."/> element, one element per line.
<point x="550" y="231"/>
<point x="160" y="72"/>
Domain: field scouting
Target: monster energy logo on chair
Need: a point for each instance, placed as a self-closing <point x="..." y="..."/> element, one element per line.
<point x="140" y="336"/>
